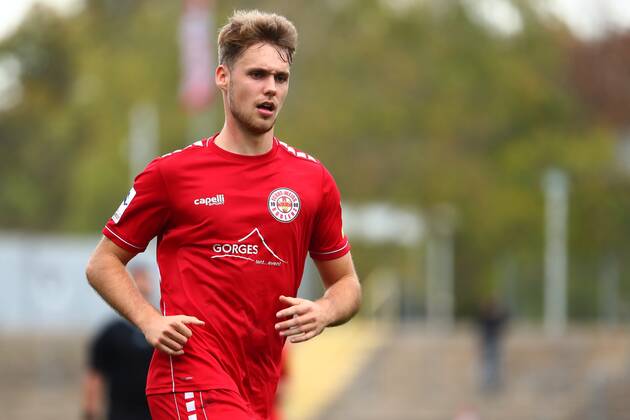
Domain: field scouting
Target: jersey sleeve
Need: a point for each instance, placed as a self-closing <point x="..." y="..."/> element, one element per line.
<point x="143" y="214"/>
<point x="328" y="241"/>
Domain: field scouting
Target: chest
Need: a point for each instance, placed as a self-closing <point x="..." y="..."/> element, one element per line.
<point x="230" y="200"/>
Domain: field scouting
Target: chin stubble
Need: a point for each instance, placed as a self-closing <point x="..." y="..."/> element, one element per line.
<point x="245" y="122"/>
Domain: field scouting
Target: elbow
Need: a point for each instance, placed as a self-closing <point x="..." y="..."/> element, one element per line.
<point x="354" y="301"/>
<point x="90" y="270"/>
<point x="104" y="263"/>
<point x="359" y="298"/>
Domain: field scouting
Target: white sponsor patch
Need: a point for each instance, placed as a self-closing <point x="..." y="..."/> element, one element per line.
<point x="123" y="206"/>
<point x="248" y="248"/>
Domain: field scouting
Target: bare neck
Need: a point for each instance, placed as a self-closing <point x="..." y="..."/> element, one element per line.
<point x="236" y="140"/>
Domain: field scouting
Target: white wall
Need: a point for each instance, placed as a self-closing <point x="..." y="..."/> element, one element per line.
<point x="43" y="285"/>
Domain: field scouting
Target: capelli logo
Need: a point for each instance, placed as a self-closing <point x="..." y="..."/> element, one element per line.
<point x="217" y="200"/>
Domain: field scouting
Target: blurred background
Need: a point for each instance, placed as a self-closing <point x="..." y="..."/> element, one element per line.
<point x="482" y="148"/>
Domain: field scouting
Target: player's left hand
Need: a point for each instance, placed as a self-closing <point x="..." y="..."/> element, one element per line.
<point x="308" y="319"/>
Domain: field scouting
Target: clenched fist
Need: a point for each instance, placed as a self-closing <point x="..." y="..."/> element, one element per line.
<point x="307" y="319"/>
<point x="169" y="334"/>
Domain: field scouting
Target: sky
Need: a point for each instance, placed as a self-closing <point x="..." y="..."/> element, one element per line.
<point x="586" y="17"/>
<point x="13" y="11"/>
<point x="589" y="16"/>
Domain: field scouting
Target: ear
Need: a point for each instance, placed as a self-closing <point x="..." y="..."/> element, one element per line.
<point x="222" y="77"/>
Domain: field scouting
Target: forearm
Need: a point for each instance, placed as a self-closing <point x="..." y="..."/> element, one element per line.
<point x="342" y="300"/>
<point x="106" y="273"/>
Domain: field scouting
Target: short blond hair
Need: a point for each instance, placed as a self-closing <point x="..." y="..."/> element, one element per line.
<point x="249" y="27"/>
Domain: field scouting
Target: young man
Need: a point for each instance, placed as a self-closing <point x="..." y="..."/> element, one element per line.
<point x="235" y="216"/>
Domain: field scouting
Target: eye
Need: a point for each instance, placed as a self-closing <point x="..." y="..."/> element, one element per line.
<point x="257" y="74"/>
<point x="282" y="78"/>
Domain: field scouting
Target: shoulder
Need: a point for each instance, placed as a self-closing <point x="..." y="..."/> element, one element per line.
<point x="181" y="156"/>
<point x="190" y="150"/>
<point x="306" y="160"/>
<point x="299" y="155"/>
<point x="176" y="161"/>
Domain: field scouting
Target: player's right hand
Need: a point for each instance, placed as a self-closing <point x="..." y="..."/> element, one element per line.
<point x="169" y="334"/>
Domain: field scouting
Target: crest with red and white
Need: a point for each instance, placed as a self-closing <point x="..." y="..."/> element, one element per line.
<point x="284" y="204"/>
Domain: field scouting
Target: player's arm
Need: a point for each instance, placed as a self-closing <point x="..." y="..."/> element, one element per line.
<point x="93" y="395"/>
<point x="340" y="302"/>
<point x="106" y="273"/>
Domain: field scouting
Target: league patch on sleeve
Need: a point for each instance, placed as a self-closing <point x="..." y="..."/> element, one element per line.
<point x="123" y="206"/>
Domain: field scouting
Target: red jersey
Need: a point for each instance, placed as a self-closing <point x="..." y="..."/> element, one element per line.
<point x="233" y="235"/>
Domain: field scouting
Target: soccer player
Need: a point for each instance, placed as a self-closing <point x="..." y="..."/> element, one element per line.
<point x="235" y="216"/>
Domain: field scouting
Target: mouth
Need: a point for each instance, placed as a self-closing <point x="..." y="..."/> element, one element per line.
<point x="266" y="108"/>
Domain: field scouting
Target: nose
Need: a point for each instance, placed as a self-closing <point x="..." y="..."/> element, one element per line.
<point x="270" y="86"/>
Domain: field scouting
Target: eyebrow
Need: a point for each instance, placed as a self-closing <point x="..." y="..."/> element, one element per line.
<point x="267" y="71"/>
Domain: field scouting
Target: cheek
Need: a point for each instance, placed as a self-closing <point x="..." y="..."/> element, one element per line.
<point x="240" y="95"/>
<point x="282" y="94"/>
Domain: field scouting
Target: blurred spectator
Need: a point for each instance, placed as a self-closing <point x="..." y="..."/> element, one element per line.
<point x="491" y="322"/>
<point x="467" y="414"/>
<point x="118" y="362"/>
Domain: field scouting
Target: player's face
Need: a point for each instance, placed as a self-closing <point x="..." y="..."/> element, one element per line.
<point x="257" y="86"/>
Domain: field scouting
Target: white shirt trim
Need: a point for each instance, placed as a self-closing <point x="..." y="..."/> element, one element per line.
<point x="330" y="252"/>
<point x="132" y="245"/>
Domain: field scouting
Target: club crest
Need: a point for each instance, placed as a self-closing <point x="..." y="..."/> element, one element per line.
<point x="284" y="204"/>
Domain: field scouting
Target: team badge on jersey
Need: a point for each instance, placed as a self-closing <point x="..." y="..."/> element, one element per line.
<point x="283" y="204"/>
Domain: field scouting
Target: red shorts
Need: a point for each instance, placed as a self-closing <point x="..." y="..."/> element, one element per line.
<point x="213" y="404"/>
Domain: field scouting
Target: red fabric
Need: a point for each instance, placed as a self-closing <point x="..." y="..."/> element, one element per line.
<point x="233" y="234"/>
<point x="214" y="404"/>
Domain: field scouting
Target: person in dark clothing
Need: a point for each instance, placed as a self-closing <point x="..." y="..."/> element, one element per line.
<point x="118" y="363"/>
<point x="491" y="323"/>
